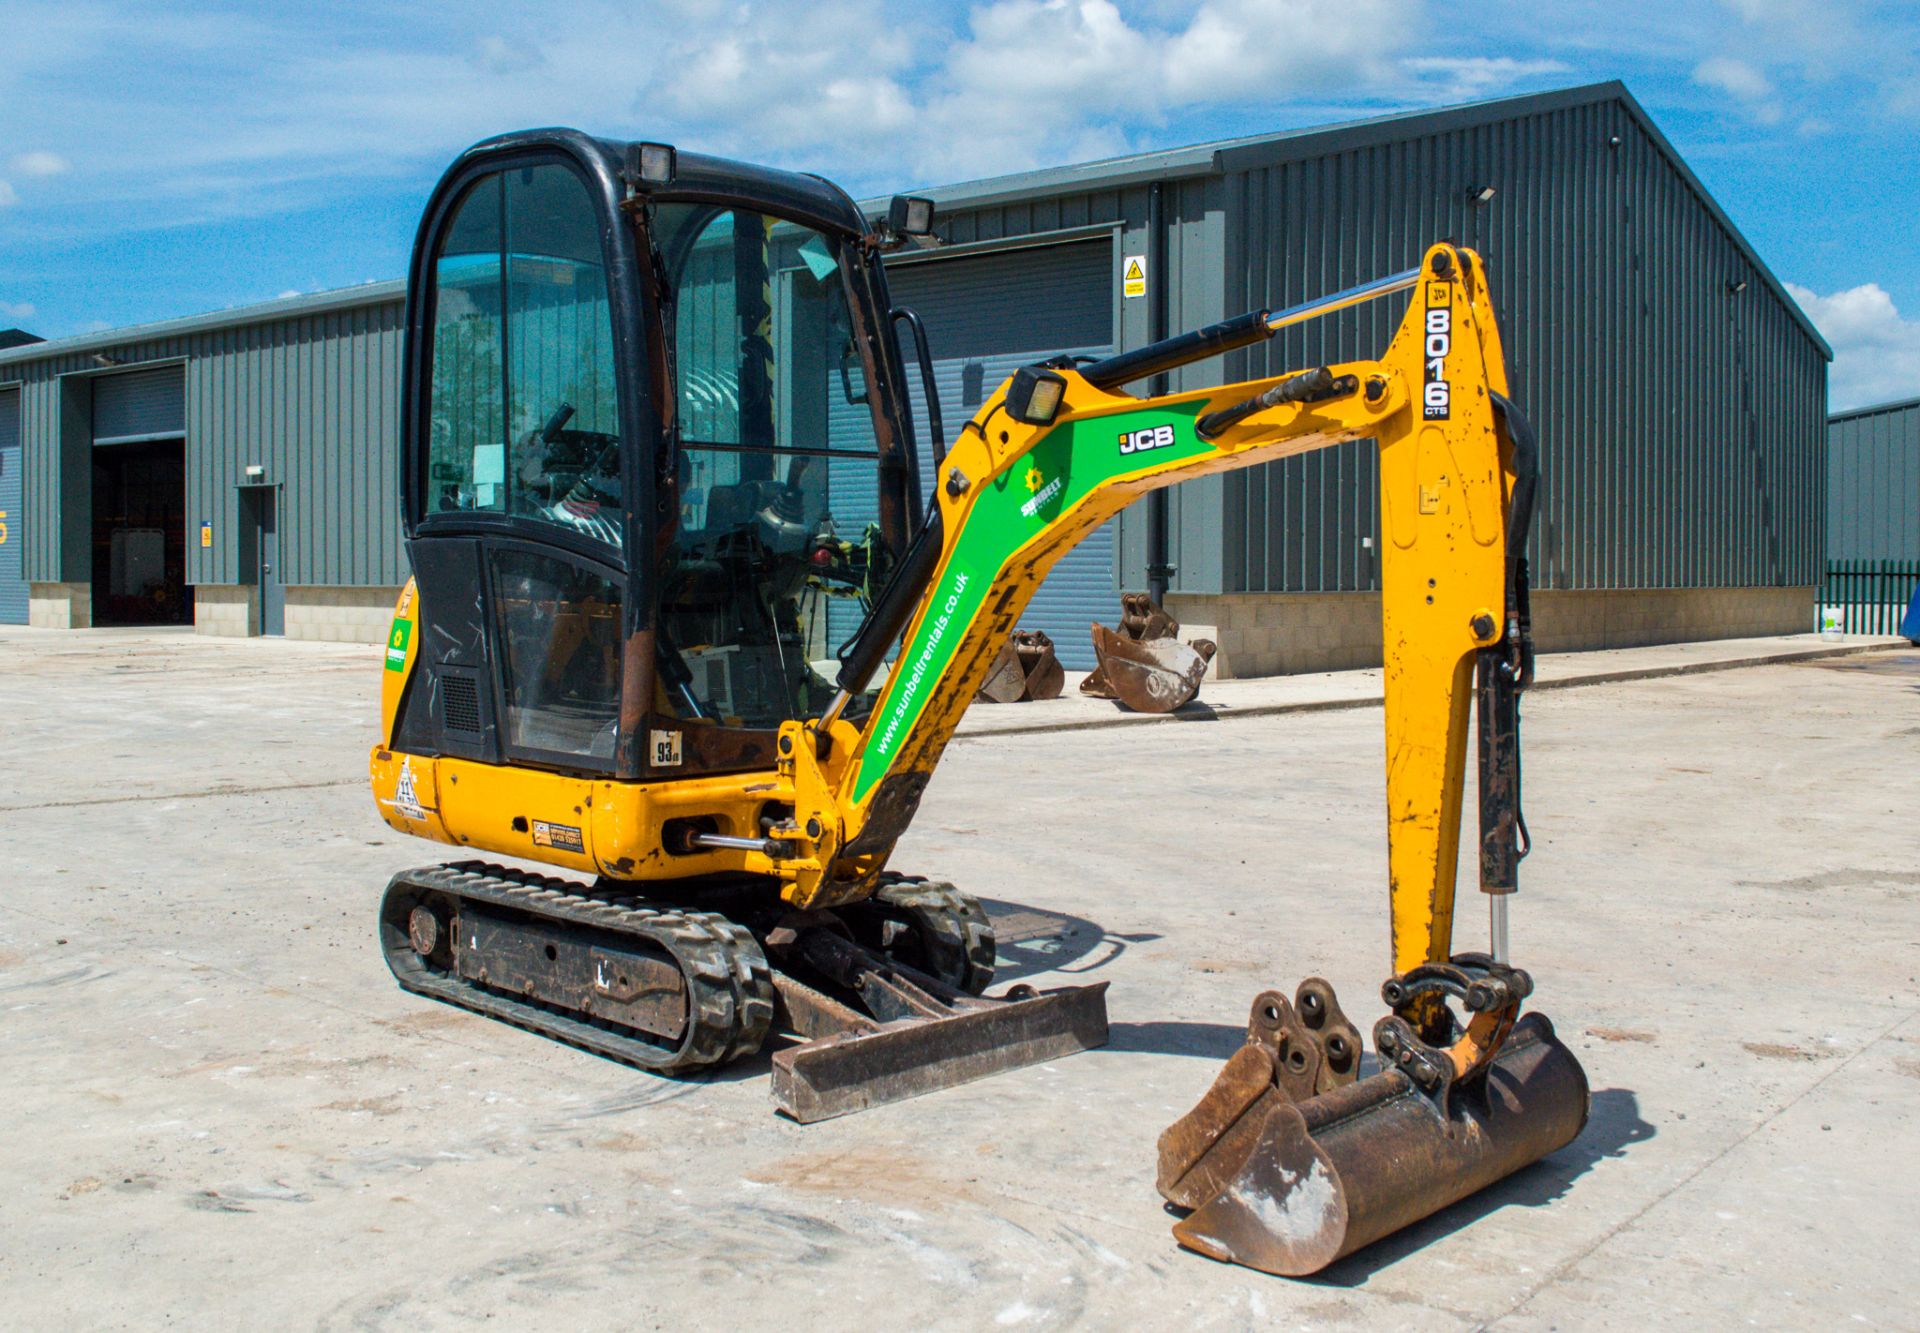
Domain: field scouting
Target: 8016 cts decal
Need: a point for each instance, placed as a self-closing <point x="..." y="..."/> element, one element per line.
<point x="1437" y="399"/>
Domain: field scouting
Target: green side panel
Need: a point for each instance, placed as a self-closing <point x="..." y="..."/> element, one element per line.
<point x="1065" y="466"/>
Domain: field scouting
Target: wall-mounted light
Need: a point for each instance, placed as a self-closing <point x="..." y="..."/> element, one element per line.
<point x="1737" y="286"/>
<point x="1484" y="194"/>
<point x="255" y="472"/>
<point x="1613" y="141"/>
<point x="102" y="359"/>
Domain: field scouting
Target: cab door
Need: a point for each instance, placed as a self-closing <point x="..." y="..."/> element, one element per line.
<point x="519" y="477"/>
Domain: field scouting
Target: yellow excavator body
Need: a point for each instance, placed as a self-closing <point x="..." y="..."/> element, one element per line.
<point x="601" y="720"/>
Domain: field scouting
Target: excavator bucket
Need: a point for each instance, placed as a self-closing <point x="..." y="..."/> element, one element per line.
<point x="1026" y="669"/>
<point x="1290" y="1162"/>
<point x="1148" y="675"/>
<point x="1143" y="664"/>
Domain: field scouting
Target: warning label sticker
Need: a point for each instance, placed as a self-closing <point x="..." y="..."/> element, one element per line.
<point x="1133" y="276"/>
<point x="565" y="837"/>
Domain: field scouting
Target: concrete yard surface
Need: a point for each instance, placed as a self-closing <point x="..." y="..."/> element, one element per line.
<point x="221" y="1111"/>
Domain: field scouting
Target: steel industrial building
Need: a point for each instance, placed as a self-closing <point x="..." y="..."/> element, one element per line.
<point x="1873" y="483"/>
<point x="1679" y="392"/>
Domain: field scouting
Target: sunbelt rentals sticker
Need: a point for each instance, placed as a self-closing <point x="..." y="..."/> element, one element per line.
<point x="397" y="640"/>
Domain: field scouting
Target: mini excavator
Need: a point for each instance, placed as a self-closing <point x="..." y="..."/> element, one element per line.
<point x="683" y="624"/>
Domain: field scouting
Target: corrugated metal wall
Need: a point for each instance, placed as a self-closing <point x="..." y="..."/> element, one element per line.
<point x="1196" y="244"/>
<point x="1873" y="487"/>
<point x="313" y="399"/>
<point x="1679" y="420"/>
<point x="986" y="316"/>
<point x="316" y="401"/>
<point x="139" y="405"/>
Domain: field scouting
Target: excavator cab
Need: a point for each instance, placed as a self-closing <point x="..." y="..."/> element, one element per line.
<point x="657" y="457"/>
<point x="657" y="466"/>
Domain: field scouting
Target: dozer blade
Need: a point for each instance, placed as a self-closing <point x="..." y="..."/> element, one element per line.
<point x="919" y="1034"/>
<point x="1289" y="1187"/>
<point x="1149" y="675"/>
<point x="856" y="1070"/>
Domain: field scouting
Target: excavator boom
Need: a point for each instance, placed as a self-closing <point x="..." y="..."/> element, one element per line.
<point x="1288" y="1162"/>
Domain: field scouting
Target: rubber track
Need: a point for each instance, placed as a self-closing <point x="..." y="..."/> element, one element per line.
<point x="964" y="949"/>
<point x="729" y="986"/>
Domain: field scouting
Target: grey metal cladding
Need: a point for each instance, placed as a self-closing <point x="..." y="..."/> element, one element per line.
<point x="139" y="405"/>
<point x="986" y="316"/>
<point x="1056" y="296"/>
<point x="1873" y="488"/>
<point x="312" y="397"/>
<point x="315" y="401"/>
<point x="1677" y="416"/>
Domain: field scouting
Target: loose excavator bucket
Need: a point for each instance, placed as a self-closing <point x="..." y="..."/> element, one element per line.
<point x="1149" y="675"/>
<point x="1142" y="664"/>
<point x="1025" y="670"/>
<point x="1291" y="1161"/>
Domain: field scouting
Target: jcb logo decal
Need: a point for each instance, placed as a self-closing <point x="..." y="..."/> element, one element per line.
<point x="1147" y="437"/>
<point x="1437" y="399"/>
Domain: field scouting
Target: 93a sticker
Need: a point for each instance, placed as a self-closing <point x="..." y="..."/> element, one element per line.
<point x="665" y="749"/>
<point x="1436" y="399"/>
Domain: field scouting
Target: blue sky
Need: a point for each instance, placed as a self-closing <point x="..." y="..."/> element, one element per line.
<point x="159" y="159"/>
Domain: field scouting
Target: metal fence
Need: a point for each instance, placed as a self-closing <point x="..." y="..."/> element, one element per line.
<point x="1872" y="594"/>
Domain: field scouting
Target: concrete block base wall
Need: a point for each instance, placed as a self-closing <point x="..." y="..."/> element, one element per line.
<point x="340" y="615"/>
<point x="226" y="609"/>
<point x="1284" y="634"/>
<point x="60" y="605"/>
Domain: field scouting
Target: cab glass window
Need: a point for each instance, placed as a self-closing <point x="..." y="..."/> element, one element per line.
<point x="558" y="631"/>
<point x="524" y="416"/>
<point x="777" y="549"/>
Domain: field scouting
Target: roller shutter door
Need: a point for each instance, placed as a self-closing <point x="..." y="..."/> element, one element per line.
<point x="13" y="583"/>
<point x="986" y="316"/>
<point x="139" y="405"/>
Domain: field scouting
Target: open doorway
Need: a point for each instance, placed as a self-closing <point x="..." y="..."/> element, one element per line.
<point x="140" y="534"/>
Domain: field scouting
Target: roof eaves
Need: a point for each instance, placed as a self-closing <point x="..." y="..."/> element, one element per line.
<point x="292" y="307"/>
<point x="1872" y="409"/>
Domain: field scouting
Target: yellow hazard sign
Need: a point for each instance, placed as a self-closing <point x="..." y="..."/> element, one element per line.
<point x="1133" y="276"/>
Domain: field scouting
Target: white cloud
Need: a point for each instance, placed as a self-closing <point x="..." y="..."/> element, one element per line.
<point x="1745" y="83"/>
<point x="1461" y="78"/>
<point x="8" y="195"/>
<point x="17" y="309"/>
<point x="39" y="163"/>
<point x="500" y="55"/>
<point x="1876" y="353"/>
<point x="1036" y="74"/>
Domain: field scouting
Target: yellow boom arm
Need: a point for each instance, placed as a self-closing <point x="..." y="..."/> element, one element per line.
<point x="1015" y="495"/>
